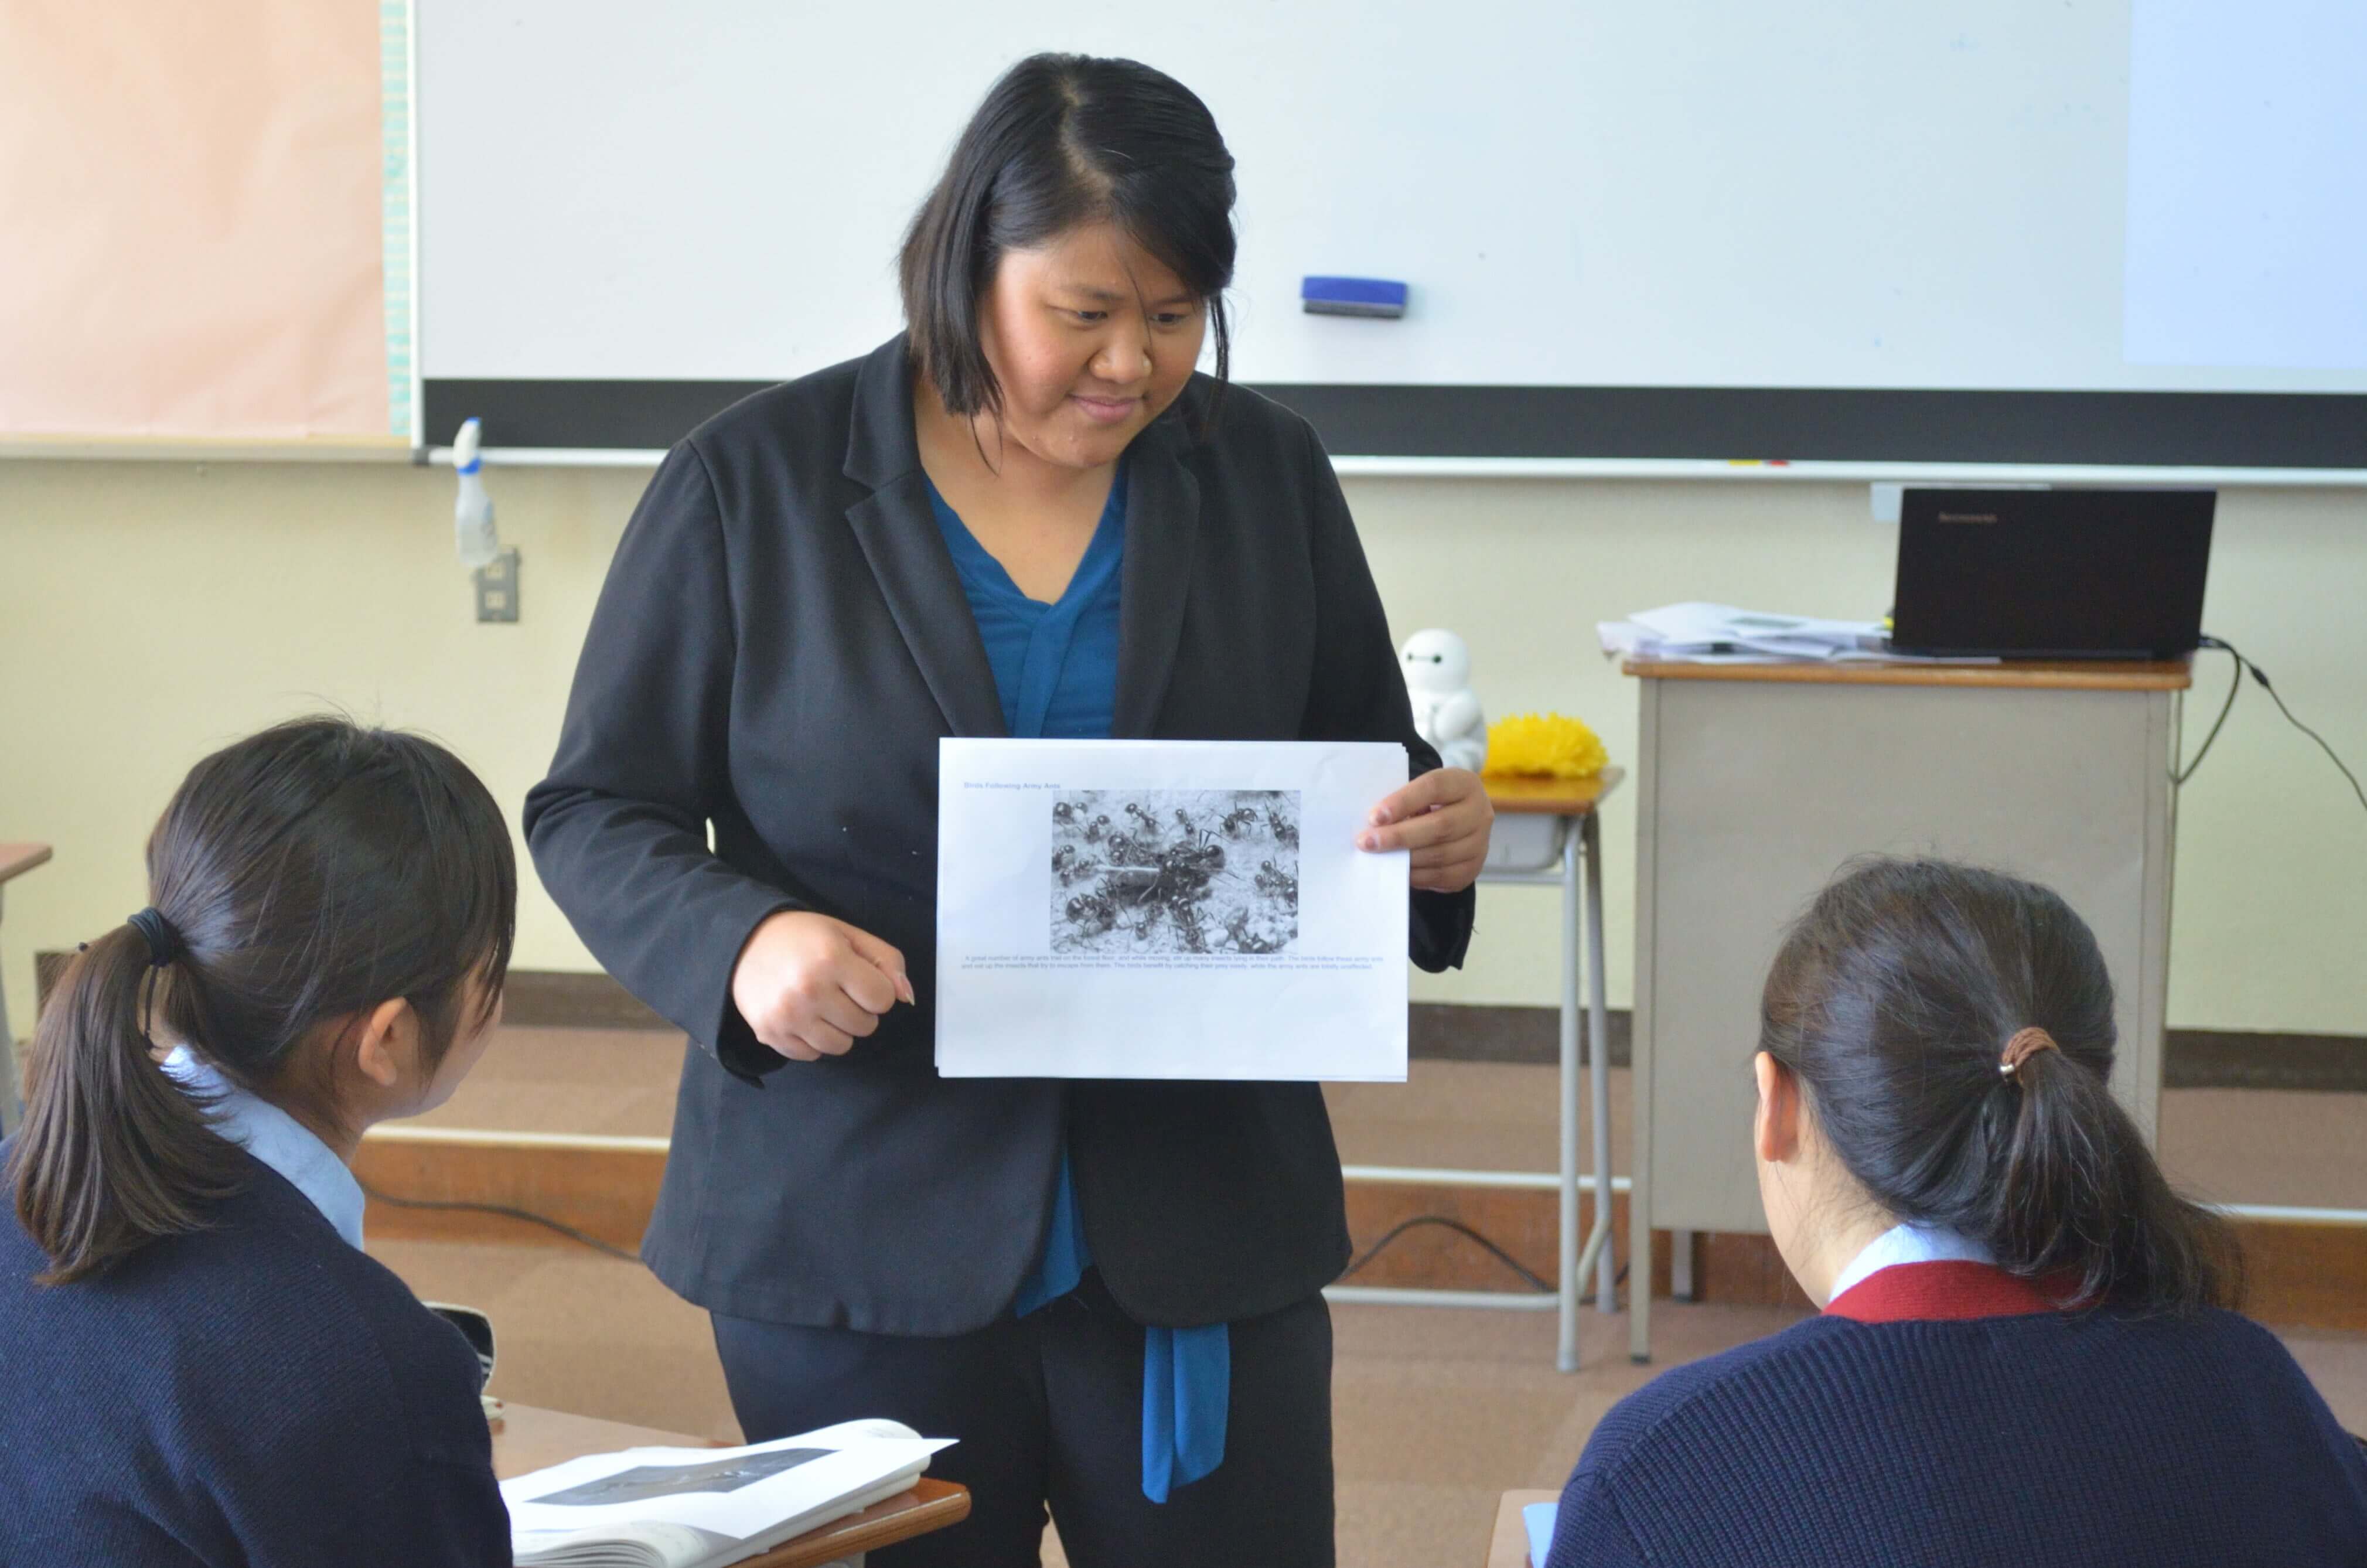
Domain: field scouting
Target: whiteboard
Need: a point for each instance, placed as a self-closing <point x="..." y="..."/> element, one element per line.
<point x="2007" y="197"/>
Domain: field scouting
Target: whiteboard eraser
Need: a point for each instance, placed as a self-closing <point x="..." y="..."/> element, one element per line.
<point x="1351" y="297"/>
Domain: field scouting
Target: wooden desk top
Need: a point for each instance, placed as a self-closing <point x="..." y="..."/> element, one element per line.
<point x="16" y="859"/>
<point x="1508" y="1547"/>
<point x="530" y="1439"/>
<point x="1514" y="796"/>
<point x="2067" y="674"/>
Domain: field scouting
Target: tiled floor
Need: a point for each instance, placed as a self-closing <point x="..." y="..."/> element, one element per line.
<point x="2228" y="1145"/>
<point x="1436" y="1410"/>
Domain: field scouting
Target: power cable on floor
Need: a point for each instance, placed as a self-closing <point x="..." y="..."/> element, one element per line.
<point x="506" y="1212"/>
<point x="1460" y="1229"/>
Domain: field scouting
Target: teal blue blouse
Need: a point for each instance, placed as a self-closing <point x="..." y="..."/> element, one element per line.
<point x="1055" y="670"/>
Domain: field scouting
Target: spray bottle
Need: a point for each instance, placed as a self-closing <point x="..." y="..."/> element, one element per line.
<point x="473" y="514"/>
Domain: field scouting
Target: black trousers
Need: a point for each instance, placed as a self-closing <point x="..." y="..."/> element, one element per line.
<point x="1049" y="1411"/>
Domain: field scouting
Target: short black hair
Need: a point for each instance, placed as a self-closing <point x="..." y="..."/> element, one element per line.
<point x="1064" y="140"/>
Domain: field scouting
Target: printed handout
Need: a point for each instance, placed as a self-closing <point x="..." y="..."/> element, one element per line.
<point x="1168" y="909"/>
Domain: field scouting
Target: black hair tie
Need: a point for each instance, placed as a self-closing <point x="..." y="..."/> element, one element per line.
<point x="163" y="942"/>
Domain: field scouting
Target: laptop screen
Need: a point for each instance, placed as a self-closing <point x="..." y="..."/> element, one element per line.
<point x="2061" y="573"/>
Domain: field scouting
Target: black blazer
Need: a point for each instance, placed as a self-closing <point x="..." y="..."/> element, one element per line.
<point x="781" y="641"/>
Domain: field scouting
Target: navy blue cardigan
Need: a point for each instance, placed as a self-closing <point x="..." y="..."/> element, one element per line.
<point x="257" y="1392"/>
<point x="2039" y="1439"/>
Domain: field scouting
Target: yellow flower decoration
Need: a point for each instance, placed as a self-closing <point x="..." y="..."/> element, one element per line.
<point x="1551" y="745"/>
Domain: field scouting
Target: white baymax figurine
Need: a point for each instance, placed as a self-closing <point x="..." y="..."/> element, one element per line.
<point x="1445" y="710"/>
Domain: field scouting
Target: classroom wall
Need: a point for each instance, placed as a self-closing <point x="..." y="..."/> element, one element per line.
<point x="151" y="610"/>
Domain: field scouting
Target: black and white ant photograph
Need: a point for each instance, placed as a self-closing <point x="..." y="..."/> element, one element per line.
<point x="1144" y="871"/>
<point x="647" y="1483"/>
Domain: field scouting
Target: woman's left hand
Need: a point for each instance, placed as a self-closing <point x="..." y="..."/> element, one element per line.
<point x="1442" y="818"/>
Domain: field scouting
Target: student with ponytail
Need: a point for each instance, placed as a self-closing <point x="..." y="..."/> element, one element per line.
<point x="202" y="1367"/>
<point x="2027" y="1353"/>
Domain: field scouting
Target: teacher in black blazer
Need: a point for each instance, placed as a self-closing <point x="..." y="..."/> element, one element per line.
<point x="1026" y="514"/>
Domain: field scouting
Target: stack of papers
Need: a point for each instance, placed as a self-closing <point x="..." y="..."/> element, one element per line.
<point x="1723" y="634"/>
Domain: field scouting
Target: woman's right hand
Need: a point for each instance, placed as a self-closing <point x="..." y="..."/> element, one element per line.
<point x="811" y="986"/>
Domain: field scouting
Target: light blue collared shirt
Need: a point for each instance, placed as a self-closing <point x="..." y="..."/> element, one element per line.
<point x="1908" y="1243"/>
<point x="276" y="1138"/>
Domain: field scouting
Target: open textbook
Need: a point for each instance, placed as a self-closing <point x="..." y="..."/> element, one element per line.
<point x="1168" y="909"/>
<point x="706" y="1507"/>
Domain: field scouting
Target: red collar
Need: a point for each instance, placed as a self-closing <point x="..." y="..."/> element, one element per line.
<point x="1949" y="1289"/>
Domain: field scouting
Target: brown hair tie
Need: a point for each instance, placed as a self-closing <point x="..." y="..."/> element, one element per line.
<point x="2025" y="1044"/>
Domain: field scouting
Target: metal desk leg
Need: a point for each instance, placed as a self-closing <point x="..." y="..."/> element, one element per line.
<point x="1639" y="1247"/>
<point x="12" y="1106"/>
<point x="1598" y="1046"/>
<point x="1583" y="922"/>
<point x="1639" y="1101"/>
<point x="1572" y="1270"/>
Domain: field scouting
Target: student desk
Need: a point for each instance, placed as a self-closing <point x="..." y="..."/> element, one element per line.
<point x="1567" y="854"/>
<point x="16" y="859"/>
<point x="1756" y="782"/>
<point x="530" y="1439"/>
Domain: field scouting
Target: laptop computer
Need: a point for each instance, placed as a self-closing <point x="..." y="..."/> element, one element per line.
<point x="2052" y="574"/>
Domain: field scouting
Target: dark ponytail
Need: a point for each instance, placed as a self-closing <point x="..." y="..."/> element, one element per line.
<point x="111" y="1154"/>
<point x="303" y="876"/>
<point x="1893" y="1001"/>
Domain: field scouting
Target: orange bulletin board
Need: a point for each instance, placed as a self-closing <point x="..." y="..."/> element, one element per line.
<point x="192" y="222"/>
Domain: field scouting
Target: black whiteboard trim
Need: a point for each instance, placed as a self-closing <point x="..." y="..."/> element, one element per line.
<point x="2073" y="429"/>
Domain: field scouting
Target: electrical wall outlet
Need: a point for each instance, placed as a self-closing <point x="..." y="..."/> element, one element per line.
<point x="497" y="588"/>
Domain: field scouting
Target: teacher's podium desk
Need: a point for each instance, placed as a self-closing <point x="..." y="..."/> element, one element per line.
<point x="529" y="1439"/>
<point x="1755" y="783"/>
